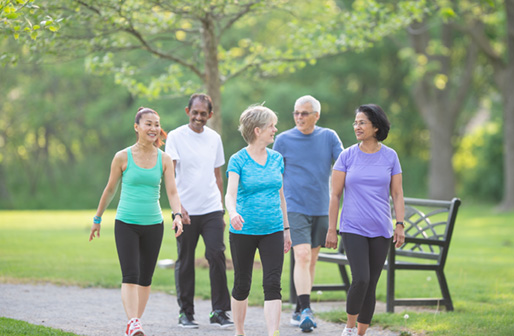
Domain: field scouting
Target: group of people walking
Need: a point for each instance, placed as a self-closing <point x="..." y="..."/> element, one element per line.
<point x="276" y="199"/>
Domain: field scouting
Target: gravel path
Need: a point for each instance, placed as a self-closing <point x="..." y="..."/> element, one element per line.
<point x="98" y="311"/>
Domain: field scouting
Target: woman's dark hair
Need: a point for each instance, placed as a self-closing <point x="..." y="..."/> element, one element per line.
<point x="162" y="136"/>
<point x="201" y="97"/>
<point x="378" y="118"/>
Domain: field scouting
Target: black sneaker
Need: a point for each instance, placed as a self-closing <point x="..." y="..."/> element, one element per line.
<point x="187" y="321"/>
<point x="220" y="318"/>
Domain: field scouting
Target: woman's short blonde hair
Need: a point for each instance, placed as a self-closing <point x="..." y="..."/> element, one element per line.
<point x="255" y="116"/>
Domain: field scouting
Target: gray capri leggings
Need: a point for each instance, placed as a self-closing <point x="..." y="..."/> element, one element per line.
<point x="366" y="257"/>
<point x="138" y="249"/>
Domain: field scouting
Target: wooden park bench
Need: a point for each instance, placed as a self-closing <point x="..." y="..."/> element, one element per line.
<point x="428" y="231"/>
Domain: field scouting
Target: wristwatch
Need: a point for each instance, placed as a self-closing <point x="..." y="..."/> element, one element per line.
<point x="173" y="215"/>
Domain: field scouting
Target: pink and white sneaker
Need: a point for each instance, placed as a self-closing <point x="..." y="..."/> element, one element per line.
<point x="134" y="328"/>
<point x="349" y="332"/>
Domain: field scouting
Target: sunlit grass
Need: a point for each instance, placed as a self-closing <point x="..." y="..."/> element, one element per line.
<point x="52" y="246"/>
<point x="19" y="328"/>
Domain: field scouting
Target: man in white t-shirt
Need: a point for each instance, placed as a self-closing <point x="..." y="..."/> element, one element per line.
<point x="197" y="154"/>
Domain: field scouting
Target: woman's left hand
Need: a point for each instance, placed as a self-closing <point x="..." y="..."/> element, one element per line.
<point x="399" y="236"/>
<point x="287" y="241"/>
<point x="178" y="226"/>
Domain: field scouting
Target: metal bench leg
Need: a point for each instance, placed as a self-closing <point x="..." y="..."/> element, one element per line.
<point x="445" y="290"/>
<point x="346" y="279"/>
<point x="390" y="280"/>
<point x="292" y="288"/>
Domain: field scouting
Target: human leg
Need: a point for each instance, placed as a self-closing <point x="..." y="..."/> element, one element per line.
<point x="357" y="251"/>
<point x="303" y="284"/>
<point x="242" y="249"/>
<point x="150" y="245"/>
<point x="272" y="310"/>
<point x="378" y="248"/>
<point x="318" y="236"/>
<point x="212" y="227"/>
<point x="185" y="267"/>
<point x="239" y="308"/>
<point x="271" y="252"/>
<point x="127" y="246"/>
<point x="301" y="227"/>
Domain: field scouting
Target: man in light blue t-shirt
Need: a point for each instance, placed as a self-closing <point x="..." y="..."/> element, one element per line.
<point x="309" y="152"/>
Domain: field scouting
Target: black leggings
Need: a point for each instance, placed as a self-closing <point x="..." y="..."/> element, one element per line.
<point x="138" y="249"/>
<point x="271" y="251"/>
<point x="366" y="257"/>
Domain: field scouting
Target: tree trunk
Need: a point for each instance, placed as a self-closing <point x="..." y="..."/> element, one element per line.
<point x="441" y="175"/>
<point x="5" y="197"/>
<point x="440" y="107"/>
<point x="508" y="142"/>
<point x="212" y="78"/>
<point x="504" y="81"/>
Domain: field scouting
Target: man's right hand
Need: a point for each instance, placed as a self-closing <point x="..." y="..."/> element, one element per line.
<point x="185" y="216"/>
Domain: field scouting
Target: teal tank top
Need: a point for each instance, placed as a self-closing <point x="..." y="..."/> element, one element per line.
<point x="140" y="193"/>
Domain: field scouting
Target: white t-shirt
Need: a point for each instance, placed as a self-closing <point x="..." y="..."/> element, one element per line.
<point x="197" y="154"/>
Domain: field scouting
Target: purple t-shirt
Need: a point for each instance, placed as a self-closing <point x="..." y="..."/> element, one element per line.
<point x="366" y="210"/>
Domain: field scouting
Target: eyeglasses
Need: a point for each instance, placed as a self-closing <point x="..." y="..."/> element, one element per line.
<point x="303" y="114"/>
<point x="360" y="123"/>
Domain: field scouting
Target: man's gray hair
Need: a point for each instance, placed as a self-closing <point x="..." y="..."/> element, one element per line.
<point x="316" y="106"/>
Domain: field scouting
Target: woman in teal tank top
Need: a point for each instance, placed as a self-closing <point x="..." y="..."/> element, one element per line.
<point x="139" y="220"/>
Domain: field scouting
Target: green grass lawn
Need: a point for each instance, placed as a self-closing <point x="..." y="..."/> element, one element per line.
<point x="52" y="246"/>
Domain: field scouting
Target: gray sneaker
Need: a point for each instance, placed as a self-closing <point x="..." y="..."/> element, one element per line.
<point x="220" y="318"/>
<point x="295" y="319"/>
<point x="187" y="321"/>
<point x="307" y="323"/>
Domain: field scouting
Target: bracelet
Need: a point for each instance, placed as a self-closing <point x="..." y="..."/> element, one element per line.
<point x="287" y="228"/>
<point x="97" y="220"/>
<point x="400" y="223"/>
<point x="173" y="215"/>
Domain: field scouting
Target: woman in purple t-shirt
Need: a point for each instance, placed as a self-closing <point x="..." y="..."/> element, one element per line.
<point x="368" y="172"/>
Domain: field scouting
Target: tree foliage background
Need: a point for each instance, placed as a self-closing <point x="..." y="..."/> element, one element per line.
<point x="71" y="86"/>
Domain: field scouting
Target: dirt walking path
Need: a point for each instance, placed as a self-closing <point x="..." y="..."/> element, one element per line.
<point x="98" y="311"/>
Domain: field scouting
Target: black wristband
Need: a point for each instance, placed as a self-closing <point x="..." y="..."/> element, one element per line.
<point x="400" y="223"/>
<point x="173" y="215"/>
<point x="287" y="228"/>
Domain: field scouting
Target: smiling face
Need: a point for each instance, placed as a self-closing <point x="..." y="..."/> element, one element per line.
<point x="198" y="115"/>
<point x="148" y="128"/>
<point x="267" y="134"/>
<point x="305" y="118"/>
<point x="363" y="128"/>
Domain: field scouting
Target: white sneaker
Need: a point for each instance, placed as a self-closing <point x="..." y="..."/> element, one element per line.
<point x="349" y="331"/>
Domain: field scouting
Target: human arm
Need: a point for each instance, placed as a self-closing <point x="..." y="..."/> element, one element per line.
<point x="231" y="200"/>
<point x="118" y="164"/>
<point x="172" y="192"/>
<point x="287" y="231"/>
<point x="219" y="183"/>
<point x="399" y="208"/>
<point x="183" y="211"/>
<point x="338" y="180"/>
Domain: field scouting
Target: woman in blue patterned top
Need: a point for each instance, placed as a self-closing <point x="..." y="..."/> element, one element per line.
<point x="258" y="216"/>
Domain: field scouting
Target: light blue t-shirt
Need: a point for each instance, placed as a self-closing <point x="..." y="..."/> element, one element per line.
<point x="308" y="162"/>
<point x="366" y="210"/>
<point x="258" y="192"/>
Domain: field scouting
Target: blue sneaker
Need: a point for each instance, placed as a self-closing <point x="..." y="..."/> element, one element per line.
<point x="295" y="319"/>
<point x="307" y="323"/>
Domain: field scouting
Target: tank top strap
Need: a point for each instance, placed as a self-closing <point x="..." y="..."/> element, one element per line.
<point x="159" y="160"/>
<point x="130" y="158"/>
